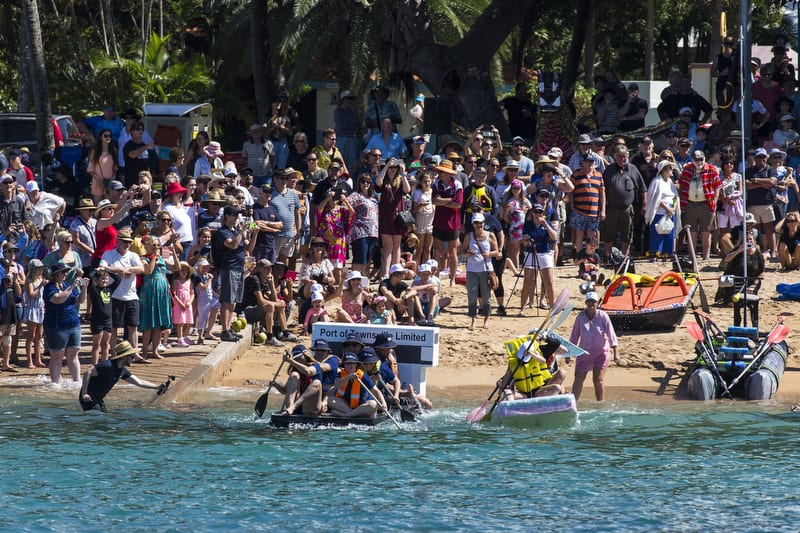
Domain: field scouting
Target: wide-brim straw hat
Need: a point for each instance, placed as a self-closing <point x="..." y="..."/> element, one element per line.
<point x="184" y="264"/>
<point x="86" y="204"/>
<point x="213" y="198"/>
<point x="123" y="349"/>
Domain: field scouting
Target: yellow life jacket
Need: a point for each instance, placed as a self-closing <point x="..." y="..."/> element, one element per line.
<point x="528" y="376"/>
<point x="350" y="391"/>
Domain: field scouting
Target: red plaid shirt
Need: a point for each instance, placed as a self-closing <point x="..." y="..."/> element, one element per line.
<point x="711" y="184"/>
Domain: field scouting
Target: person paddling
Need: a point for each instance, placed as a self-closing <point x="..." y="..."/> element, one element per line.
<point x="356" y="395"/>
<point x="101" y="378"/>
<point x="529" y="372"/>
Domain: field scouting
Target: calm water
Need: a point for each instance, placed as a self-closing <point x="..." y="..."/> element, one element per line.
<point x="684" y="467"/>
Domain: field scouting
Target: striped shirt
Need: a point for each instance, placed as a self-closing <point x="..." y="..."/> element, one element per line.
<point x="586" y="196"/>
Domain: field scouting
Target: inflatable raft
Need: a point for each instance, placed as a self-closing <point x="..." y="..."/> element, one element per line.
<point x="325" y="420"/>
<point x="759" y="383"/>
<point x="541" y="412"/>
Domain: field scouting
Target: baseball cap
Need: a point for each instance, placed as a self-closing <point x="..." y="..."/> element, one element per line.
<point x="591" y="297"/>
<point x="31" y="186"/>
<point x="116" y="185"/>
<point x="760" y="152"/>
<point x="231" y="210"/>
<point x="478" y="217"/>
<point x="395" y="268"/>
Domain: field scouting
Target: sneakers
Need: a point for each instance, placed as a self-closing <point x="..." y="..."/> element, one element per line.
<point x="182" y="343"/>
<point x="161" y="348"/>
<point x="188" y="341"/>
<point x="228" y="336"/>
<point x="501" y="311"/>
<point x="273" y="341"/>
<point x="288" y="336"/>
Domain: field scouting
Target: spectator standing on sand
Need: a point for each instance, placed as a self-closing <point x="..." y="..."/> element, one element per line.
<point x="593" y="332"/>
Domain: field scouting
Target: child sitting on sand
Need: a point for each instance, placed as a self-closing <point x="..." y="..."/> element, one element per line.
<point x="316" y="313"/>
<point x="381" y="315"/>
<point x="588" y="262"/>
<point x="428" y="293"/>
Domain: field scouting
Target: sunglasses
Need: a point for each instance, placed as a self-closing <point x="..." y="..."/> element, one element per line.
<point x="517" y="145"/>
<point x="137" y="129"/>
<point x="309" y="159"/>
<point x="106" y="136"/>
<point x="165" y="219"/>
<point x="791" y="220"/>
<point x="494" y="165"/>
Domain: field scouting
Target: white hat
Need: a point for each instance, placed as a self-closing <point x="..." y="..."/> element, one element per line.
<point x="664" y="163"/>
<point x="433" y="263"/>
<point x="777" y="151"/>
<point x="424" y="267"/>
<point x="395" y="268"/>
<point x="355" y="274"/>
<point x="684" y="110"/>
<point x="202" y="262"/>
<point x="317" y="297"/>
<point x="591" y="296"/>
<point x="478" y="217"/>
<point x="523" y="353"/>
<point x="316" y="287"/>
<point x="229" y="169"/>
<point x="31" y="186"/>
<point x="555" y="151"/>
<point x="345" y="94"/>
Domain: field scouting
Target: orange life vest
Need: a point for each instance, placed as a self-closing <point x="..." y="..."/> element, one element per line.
<point x="351" y="390"/>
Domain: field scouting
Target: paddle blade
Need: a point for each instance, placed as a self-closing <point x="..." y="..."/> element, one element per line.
<point x="261" y="405"/>
<point x="695" y="330"/>
<point x="778" y="334"/>
<point x="477" y="413"/>
<point x="407" y="416"/>
<point x="560" y="302"/>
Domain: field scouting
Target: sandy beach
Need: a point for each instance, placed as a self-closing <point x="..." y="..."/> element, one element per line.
<point x="651" y="366"/>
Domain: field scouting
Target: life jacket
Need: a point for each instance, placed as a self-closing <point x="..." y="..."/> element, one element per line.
<point x="528" y="376"/>
<point x="350" y="391"/>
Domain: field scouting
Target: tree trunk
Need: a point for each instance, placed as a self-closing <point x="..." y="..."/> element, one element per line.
<point x="260" y="52"/>
<point x="715" y="42"/>
<point x="582" y="15"/>
<point x="41" y="96"/>
<point x="649" y="40"/>
<point x="589" y="48"/>
<point x="25" y="89"/>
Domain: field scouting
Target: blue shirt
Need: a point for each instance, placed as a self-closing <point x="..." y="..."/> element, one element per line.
<point x="63" y="315"/>
<point x="396" y="147"/>
<point x="97" y="124"/>
<point x="286" y="204"/>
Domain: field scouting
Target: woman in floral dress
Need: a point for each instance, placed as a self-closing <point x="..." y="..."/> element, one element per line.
<point x="514" y="215"/>
<point x="334" y="220"/>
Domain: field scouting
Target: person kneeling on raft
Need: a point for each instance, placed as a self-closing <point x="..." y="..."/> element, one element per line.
<point x="356" y="395"/>
<point x="533" y="371"/>
<point x="101" y="378"/>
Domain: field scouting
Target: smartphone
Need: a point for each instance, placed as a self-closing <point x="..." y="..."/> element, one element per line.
<point x="291" y="274"/>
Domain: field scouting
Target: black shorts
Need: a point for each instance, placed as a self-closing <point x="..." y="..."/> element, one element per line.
<point x="446" y="235"/>
<point x="254" y="313"/>
<point x="95" y="328"/>
<point x="125" y="313"/>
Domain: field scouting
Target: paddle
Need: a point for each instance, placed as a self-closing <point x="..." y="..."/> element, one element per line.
<point x="778" y="334"/>
<point x="690" y="242"/>
<point x="396" y="423"/>
<point x="477" y="413"/>
<point x="558" y="307"/>
<point x="261" y="403"/>
<point x="405" y="414"/>
<point x="697" y="333"/>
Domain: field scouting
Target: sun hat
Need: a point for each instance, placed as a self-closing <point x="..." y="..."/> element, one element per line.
<point x="213" y="198"/>
<point x="317" y="297"/>
<point x="664" y="163"/>
<point x="355" y="274"/>
<point x="125" y="235"/>
<point x="545" y="159"/>
<point x="318" y="241"/>
<point x="395" y="268"/>
<point x="591" y="296"/>
<point x="760" y="152"/>
<point x="445" y="166"/>
<point x="230" y="169"/>
<point x="202" y="262"/>
<point x="58" y="266"/>
<point x="378" y="299"/>
<point x="85" y="204"/>
<point x="350" y="358"/>
<point x="352" y="337"/>
<point x="585" y="138"/>
<point x="174" y="188"/>
<point x="214" y="149"/>
<point x="298" y="350"/>
<point x="424" y="267"/>
<point x="525" y="352"/>
<point x="555" y="151"/>
<point x="433" y="263"/>
<point x="105" y="202"/>
<point x="384" y="340"/>
<point x="777" y="151"/>
<point x="254" y="128"/>
<point x="750" y="218"/>
<point x="35" y="263"/>
<point x="184" y="264"/>
<point x="123" y="349"/>
<point x="511" y="164"/>
<point x="368" y="356"/>
<point x="7" y="178"/>
<point x="321" y="345"/>
<point x="478" y="217"/>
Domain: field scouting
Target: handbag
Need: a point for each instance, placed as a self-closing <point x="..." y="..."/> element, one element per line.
<point x="664" y="226"/>
<point x="493" y="281"/>
<point x="404" y="219"/>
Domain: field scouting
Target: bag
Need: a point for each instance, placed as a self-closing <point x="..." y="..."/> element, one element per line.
<point x="664" y="226"/>
<point x="493" y="281"/>
<point x="404" y="219"/>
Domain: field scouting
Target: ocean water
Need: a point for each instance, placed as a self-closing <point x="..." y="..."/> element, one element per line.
<point x="212" y="467"/>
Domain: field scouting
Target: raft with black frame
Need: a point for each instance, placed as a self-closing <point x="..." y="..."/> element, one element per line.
<point x="660" y="307"/>
<point x="324" y="420"/>
<point x="732" y="355"/>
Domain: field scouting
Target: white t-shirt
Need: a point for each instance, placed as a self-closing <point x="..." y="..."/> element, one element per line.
<point x="45" y="209"/>
<point x="127" y="286"/>
<point x="181" y="221"/>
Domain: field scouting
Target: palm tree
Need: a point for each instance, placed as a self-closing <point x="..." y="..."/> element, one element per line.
<point x="38" y="72"/>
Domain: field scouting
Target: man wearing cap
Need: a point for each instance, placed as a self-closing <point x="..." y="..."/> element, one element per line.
<point x="268" y="224"/>
<point x="418" y="144"/>
<point x="82" y="231"/>
<point x="228" y="246"/>
<point x="593" y="332"/>
<point x="685" y="96"/>
<point x="625" y="191"/>
<point x="285" y="202"/>
<point x="335" y="179"/>
<point x="355" y="394"/>
<point x="698" y="187"/>
<point x="525" y="163"/>
<point x="129" y="118"/>
<point x="633" y="111"/>
<point x="312" y="377"/>
<point x="585" y="149"/>
<point x="44" y="207"/>
<point x="588" y="201"/>
<point x="16" y="168"/>
<point x="12" y="206"/>
<point x="124" y="300"/>
<point x="760" y="198"/>
<point x="378" y="108"/>
<point x="137" y="154"/>
<point x="260" y="304"/>
<point x="400" y="297"/>
<point x="101" y="378"/>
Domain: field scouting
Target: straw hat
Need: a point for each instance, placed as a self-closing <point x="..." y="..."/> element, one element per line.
<point x="125" y="235"/>
<point x="105" y="202"/>
<point x="123" y="349"/>
<point x="85" y="204"/>
<point x="213" y="198"/>
<point x="184" y="264"/>
<point x="445" y="166"/>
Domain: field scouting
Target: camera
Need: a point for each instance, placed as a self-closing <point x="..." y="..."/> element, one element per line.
<point x="338" y="193"/>
<point x="247" y="211"/>
<point x="488" y="134"/>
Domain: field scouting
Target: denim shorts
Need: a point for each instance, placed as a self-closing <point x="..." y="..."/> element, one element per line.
<point x="362" y="249"/>
<point x="60" y="339"/>
<point x="231" y="286"/>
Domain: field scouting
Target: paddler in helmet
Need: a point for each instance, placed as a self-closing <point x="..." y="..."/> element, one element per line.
<point x="356" y="395"/>
<point x="532" y="371"/>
